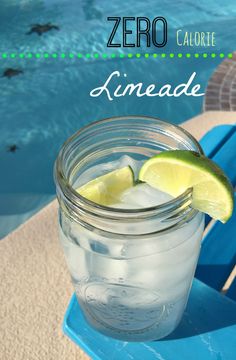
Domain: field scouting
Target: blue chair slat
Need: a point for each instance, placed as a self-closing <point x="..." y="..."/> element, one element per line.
<point x="231" y="293"/>
<point x="218" y="254"/>
<point x="207" y="331"/>
<point x="212" y="141"/>
<point x="219" y="144"/>
<point x="226" y="158"/>
<point x="218" y="251"/>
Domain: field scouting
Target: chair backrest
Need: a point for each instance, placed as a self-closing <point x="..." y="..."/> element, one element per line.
<point x="218" y="253"/>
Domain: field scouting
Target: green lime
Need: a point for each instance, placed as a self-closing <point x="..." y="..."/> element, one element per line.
<point x="175" y="171"/>
<point x="106" y="189"/>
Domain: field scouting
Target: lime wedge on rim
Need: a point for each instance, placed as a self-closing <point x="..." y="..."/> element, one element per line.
<point x="175" y="171"/>
<point x="106" y="189"/>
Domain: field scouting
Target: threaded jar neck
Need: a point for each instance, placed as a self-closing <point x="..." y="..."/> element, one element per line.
<point x="105" y="141"/>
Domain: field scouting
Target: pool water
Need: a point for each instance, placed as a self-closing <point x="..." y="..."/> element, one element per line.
<point x="42" y="107"/>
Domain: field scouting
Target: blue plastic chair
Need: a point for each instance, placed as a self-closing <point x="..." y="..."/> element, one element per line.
<point x="218" y="253"/>
<point x="208" y="328"/>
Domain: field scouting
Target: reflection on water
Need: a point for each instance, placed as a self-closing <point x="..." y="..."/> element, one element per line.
<point x="91" y="11"/>
<point x="84" y="27"/>
<point x="50" y="99"/>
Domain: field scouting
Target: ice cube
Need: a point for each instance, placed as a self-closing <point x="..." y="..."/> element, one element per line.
<point x="142" y="196"/>
<point x="101" y="169"/>
<point x="75" y="258"/>
<point x="129" y="161"/>
<point x="108" y="268"/>
<point x="93" y="172"/>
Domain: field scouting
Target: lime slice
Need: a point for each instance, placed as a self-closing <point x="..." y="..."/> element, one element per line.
<point x="175" y="171"/>
<point x="106" y="189"/>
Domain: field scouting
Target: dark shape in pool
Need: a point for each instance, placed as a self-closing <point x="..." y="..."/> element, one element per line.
<point x="12" y="148"/>
<point x="42" y="28"/>
<point x="10" y="72"/>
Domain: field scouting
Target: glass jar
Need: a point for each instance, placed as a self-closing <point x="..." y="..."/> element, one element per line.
<point x="132" y="269"/>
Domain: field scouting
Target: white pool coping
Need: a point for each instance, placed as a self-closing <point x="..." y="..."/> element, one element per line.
<point x="35" y="284"/>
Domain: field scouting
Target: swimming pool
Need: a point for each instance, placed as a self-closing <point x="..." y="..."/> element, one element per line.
<point x="40" y="108"/>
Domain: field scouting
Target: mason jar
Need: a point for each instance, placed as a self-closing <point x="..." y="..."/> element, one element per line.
<point x="131" y="269"/>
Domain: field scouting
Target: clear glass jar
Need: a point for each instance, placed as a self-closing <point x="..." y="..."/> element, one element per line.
<point x="132" y="269"/>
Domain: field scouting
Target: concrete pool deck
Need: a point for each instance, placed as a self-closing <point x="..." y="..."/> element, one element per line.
<point x="35" y="283"/>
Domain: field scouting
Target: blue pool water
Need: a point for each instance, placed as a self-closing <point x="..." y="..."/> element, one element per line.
<point x="40" y="108"/>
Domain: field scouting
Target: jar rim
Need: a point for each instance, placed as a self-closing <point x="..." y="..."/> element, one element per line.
<point x="64" y="187"/>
